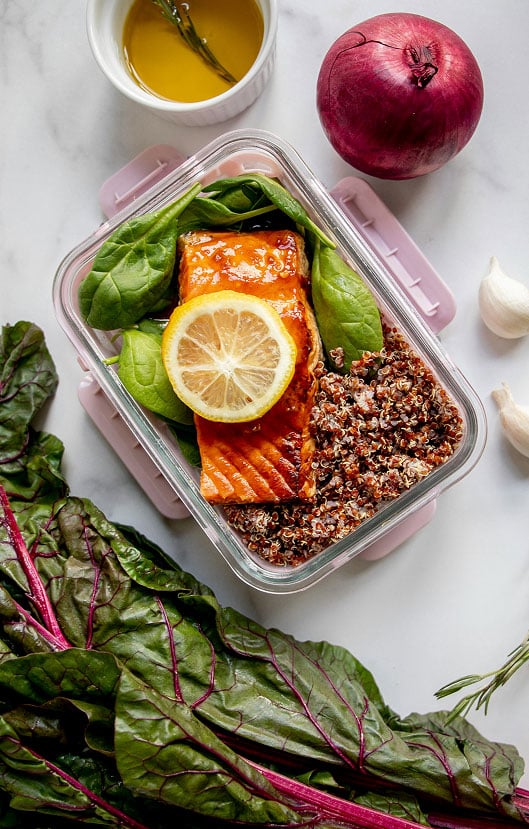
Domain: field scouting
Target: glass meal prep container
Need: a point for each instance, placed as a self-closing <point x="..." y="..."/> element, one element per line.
<point x="409" y="295"/>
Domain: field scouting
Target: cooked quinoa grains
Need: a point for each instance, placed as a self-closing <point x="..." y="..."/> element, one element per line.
<point x="378" y="430"/>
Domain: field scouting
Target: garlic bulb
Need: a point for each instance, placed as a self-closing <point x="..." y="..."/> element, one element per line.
<point x="504" y="303"/>
<point x="514" y="419"/>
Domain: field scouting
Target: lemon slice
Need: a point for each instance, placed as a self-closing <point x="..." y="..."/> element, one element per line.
<point x="228" y="355"/>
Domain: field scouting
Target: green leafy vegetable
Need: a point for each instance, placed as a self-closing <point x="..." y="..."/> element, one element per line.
<point x="385" y="802"/>
<point x="27" y="380"/>
<point x="133" y="268"/>
<point x="188" y="443"/>
<point x="276" y="194"/>
<point x="193" y="765"/>
<point x="142" y="372"/>
<point x="210" y="212"/>
<point x="346" y="312"/>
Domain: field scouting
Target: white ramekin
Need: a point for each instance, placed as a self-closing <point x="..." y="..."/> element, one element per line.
<point x="105" y="20"/>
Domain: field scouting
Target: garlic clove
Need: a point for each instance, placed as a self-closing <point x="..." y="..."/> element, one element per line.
<point x="504" y="303"/>
<point x="514" y="419"/>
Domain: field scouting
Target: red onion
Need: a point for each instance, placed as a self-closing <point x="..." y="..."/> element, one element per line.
<point x="399" y="95"/>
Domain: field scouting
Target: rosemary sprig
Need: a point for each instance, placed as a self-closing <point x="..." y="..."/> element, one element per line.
<point x="481" y="698"/>
<point x="178" y="14"/>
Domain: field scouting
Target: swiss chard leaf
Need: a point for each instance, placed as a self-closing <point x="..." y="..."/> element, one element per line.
<point x="51" y="698"/>
<point x="317" y="688"/>
<point x="346" y="312"/>
<point x="73" y="674"/>
<point x="27" y="380"/>
<point x="444" y="736"/>
<point x="165" y="752"/>
<point x="133" y="268"/>
<point x="29" y="461"/>
<point x="394" y="803"/>
<point x="36" y="474"/>
<point x="17" y="633"/>
<point x="99" y="607"/>
<point x="37" y="784"/>
<point x="321" y="703"/>
<point x="147" y="565"/>
<point x="319" y="697"/>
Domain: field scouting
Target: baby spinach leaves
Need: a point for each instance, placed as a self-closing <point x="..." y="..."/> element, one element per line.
<point x="142" y="372"/>
<point x="209" y="213"/>
<point x="275" y="193"/>
<point x="346" y="312"/>
<point x="133" y="268"/>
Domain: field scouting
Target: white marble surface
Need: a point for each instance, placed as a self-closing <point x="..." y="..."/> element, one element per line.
<point x="455" y="598"/>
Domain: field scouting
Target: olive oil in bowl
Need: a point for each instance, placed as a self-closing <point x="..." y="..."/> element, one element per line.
<point x="162" y="63"/>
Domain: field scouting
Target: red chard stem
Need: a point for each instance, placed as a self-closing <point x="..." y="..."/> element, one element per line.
<point x="37" y="592"/>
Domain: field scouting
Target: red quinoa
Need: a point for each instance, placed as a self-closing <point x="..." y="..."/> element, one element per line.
<point x="377" y="430"/>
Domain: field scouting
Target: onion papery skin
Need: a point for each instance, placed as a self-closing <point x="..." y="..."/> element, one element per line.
<point x="399" y="95"/>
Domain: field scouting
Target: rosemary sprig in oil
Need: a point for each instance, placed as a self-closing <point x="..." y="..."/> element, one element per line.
<point x="178" y="14"/>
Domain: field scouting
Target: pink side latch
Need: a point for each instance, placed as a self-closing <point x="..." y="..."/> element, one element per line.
<point x="425" y="289"/>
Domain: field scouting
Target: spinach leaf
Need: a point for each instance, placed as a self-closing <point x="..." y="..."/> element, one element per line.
<point x="241" y="197"/>
<point x="346" y="312"/>
<point x="207" y="212"/>
<point x="142" y="372"/>
<point x="151" y="325"/>
<point x="276" y="194"/>
<point x="188" y="445"/>
<point x="133" y="268"/>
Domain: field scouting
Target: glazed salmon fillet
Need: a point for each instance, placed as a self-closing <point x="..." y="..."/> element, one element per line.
<point x="268" y="459"/>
